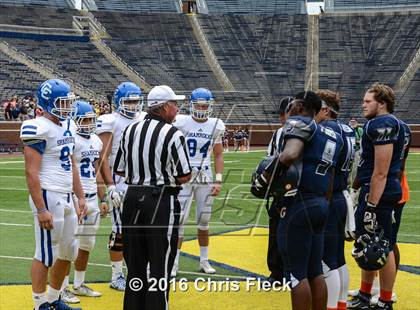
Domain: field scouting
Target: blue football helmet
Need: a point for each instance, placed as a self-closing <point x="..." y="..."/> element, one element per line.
<point x="371" y="250"/>
<point x="201" y="103"/>
<point x="128" y="99"/>
<point x="85" y="118"/>
<point x="55" y="97"/>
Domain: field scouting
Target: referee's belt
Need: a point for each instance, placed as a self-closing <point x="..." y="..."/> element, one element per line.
<point x="155" y="190"/>
<point x="201" y="168"/>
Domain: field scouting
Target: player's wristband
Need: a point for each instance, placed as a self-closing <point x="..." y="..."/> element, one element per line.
<point x="218" y="177"/>
<point x="39" y="211"/>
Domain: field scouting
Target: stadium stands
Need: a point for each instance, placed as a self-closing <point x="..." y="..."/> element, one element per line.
<point x="80" y="61"/>
<point x="255" y="6"/>
<point x="348" y="5"/>
<point x="160" y="47"/>
<point x="357" y="50"/>
<point x="43" y="3"/>
<point x="139" y="5"/>
<point x="16" y="78"/>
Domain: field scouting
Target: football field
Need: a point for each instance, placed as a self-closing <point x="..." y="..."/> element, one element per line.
<point x="237" y="247"/>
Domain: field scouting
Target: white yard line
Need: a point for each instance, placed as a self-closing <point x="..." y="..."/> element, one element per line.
<point x="11" y="162"/>
<point x="14" y="224"/>
<point x="15" y="211"/>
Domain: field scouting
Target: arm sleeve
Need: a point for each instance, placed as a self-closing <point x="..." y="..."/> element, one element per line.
<point x="299" y="128"/>
<point x="33" y="132"/>
<point x="383" y="130"/>
<point x="179" y="154"/>
<point x="105" y="123"/>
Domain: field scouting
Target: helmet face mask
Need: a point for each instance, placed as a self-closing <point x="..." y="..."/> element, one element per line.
<point x="201" y="103"/>
<point x="128" y="99"/>
<point x="129" y="106"/>
<point x="63" y="107"/>
<point x="85" y="118"/>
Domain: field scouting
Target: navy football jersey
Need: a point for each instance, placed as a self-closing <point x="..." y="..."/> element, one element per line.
<point x="407" y="139"/>
<point x="320" y="155"/>
<point x="383" y="129"/>
<point x="346" y="157"/>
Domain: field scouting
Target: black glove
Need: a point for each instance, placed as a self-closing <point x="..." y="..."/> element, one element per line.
<point x="369" y="218"/>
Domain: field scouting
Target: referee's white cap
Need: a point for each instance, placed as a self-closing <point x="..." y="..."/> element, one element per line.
<point x="161" y="94"/>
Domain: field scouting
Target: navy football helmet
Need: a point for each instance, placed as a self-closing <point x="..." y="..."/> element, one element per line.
<point x="284" y="185"/>
<point x="201" y="103"/>
<point x="85" y="118"/>
<point x="371" y="251"/>
<point x="128" y="99"/>
<point x="55" y="97"/>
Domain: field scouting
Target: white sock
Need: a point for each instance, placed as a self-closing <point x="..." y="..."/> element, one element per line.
<point x="344" y="282"/>
<point x="375" y="286"/>
<point x="176" y="262"/>
<point x="332" y="280"/>
<point x="53" y="294"/>
<point x="116" y="269"/>
<point x="65" y="283"/>
<point x="39" y="299"/>
<point x="204" y="253"/>
<point x="79" y="278"/>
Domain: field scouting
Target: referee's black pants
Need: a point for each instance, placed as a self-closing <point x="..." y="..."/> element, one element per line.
<point x="150" y="233"/>
<point x="274" y="260"/>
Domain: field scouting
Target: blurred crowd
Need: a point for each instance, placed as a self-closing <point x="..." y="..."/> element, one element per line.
<point x="25" y="107"/>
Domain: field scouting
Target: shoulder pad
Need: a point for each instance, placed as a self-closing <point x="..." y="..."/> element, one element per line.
<point x="33" y="129"/>
<point x="97" y="140"/>
<point x="105" y="123"/>
<point x="383" y="130"/>
<point x="180" y="120"/>
<point x="220" y="125"/>
<point x="299" y="127"/>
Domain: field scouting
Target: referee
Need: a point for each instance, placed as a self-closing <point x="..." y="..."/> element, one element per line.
<point x="154" y="160"/>
<point x="274" y="261"/>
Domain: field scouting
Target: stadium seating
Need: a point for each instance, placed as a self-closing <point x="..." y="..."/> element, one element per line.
<point x="161" y="47"/>
<point x="16" y="78"/>
<point x="255" y="6"/>
<point x="138" y="5"/>
<point x="357" y="50"/>
<point x="43" y="3"/>
<point x="80" y="61"/>
<point x="351" y="4"/>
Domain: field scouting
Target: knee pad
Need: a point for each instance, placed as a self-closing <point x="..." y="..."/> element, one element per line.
<point x="203" y="218"/>
<point x="86" y="243"/>
<point x="67" y="250"/>
<point x="115" y="242"/>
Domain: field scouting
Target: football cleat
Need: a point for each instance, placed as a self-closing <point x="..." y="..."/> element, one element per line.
<point x="84" y="290"/>
<point x="382" y="305"/>
<point x="375" y="298"/>
<point x="119" y="283"/>
<point x="68" y="297"/>
<point x="352" y="293"/>
<point x="174" y="270"/>
<point x="60" y="305"/>
<point x="360" y="301"/>
<point x="206" y="267"/>
<point x="44" y="306"/>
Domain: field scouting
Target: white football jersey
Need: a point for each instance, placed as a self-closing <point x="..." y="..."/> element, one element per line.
<point x="86" y="152"/>
<point x="115" y="123"/>
<point x="200" y="137"/>
<point x="57" y="147"/>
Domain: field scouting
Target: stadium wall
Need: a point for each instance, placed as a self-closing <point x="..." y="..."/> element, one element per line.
<point x="260" y="135"/>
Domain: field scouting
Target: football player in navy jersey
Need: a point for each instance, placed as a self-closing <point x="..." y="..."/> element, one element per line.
<point x="334" y="264"/>
<point x="378" y="175"/>
<point x="314" y="150"/>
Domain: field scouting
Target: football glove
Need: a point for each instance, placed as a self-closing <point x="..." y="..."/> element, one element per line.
<point x="114" y="196"/>
<point x="369" y="218"/>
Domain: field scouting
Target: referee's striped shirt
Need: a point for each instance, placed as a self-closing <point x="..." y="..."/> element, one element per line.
<point x="152" y="152"/>
<point x="275" y="144"/>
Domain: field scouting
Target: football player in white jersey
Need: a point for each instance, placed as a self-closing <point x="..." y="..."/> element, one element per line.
<point x="87" y="149"/>
<point x="128" y="102"/>
<point x="51" y="177"/>
<point x="203" y="135"/>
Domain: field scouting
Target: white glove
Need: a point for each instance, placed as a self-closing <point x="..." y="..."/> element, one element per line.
<point x="354" y="195"/>
<point x="115" y="196"/>
<point x="350" y="227"/>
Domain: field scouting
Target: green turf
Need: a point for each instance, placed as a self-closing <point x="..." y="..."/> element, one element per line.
<point x="233" y="209"/>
